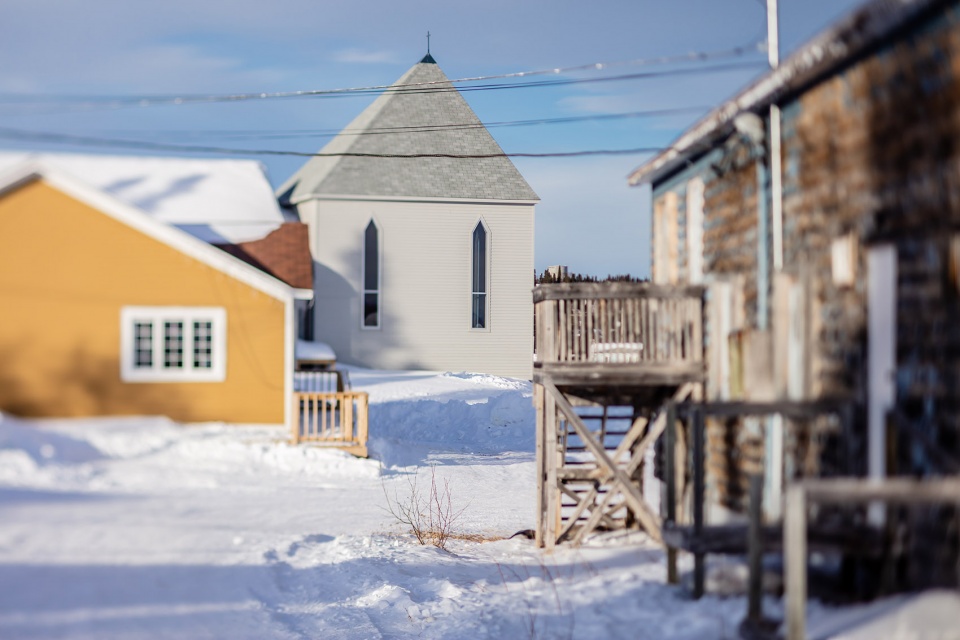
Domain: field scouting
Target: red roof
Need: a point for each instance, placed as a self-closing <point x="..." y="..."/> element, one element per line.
<point x="284" y="253"/>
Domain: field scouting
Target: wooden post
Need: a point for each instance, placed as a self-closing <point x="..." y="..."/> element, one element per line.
<point x="295" y="414"/>
<point x="541" y="465"/>
<point x="362" y="419"/>
<point x="698" y="494"/>
<point x="552" y="491"/>
<point x="755" y="550"/>
<point x="670" y="474"/>
<point x="795" y="549"/>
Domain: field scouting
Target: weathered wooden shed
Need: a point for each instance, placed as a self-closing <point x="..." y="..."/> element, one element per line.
<point x="820" y="208"/>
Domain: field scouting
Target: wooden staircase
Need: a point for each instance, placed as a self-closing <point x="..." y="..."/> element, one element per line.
<point x="608" y="357"/>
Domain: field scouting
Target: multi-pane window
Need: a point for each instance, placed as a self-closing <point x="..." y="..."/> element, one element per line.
<point x="479" y="278"/>
<point x="371" y="276"/>
<point x="143" y="345"/>
<point x="203" y="344"/>
<point x="173" y="344"/>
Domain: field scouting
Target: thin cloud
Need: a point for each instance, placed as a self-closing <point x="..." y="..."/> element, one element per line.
<point x="363" y="56"/>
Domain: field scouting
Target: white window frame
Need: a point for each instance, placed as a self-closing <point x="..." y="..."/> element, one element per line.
<point x="157" y="316"/>
<point x="363" y="276"/>
<point x="488" y="240"/>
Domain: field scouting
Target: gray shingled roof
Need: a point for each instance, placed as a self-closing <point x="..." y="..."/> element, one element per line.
<point x="439" y="105"/>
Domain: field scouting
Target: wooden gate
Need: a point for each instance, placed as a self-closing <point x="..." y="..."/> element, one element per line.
<point x="326" y="414"/>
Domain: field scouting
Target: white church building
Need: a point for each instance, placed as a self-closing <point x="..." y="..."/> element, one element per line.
<point x="422" y="262"/>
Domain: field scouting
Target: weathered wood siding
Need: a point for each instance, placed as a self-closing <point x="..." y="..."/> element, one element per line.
<point x="870" y="156"/>
<point x="873" y="151"/>
<point x="425" y="285"/>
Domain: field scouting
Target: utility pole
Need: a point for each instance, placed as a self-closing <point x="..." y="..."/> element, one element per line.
<point x="776" y="169"/>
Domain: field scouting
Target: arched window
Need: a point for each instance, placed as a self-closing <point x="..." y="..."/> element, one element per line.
<point x="371" y="276"/>
<point x="479" y="288"/>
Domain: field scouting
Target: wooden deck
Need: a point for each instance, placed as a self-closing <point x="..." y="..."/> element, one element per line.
<point x="607" y="358"/>
<point x="609" y="337"/>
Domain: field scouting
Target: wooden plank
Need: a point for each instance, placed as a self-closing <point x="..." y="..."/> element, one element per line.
<point x="564" y="351"/>
<point x="548" y="352"/>
<point x="346" y="422"/>
<point x="795" y="547"/>
<point x="363" y="404"/>
<point x="627" y="373"/>
<point x="591" y="310"/>
<point x="583" y="474"/>
<point x="890" y="490"/>
<point x="614" y="290"/>
<point x="296" y="418"/>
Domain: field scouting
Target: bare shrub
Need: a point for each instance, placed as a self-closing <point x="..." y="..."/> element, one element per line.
<point x="429" y="512"/>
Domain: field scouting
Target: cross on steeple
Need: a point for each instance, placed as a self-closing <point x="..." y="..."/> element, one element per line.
<point x="428" y="59"/>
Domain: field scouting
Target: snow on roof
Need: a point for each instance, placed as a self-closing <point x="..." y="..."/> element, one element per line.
<point x="866" y="27"/>
<point x="217" y="201"/>
<point x="315" y="351"/>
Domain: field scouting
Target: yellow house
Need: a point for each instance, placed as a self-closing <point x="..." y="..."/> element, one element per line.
<point x="105" y="310"/>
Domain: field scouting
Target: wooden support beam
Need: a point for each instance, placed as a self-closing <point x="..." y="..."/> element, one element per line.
<point x="551" y="464"/>
<point x="596" y="515"/>
<point x="698" y="499"/>
<point x="670" y="472"/>
<point x="541" y="466"/>
<point x="621" y="480"/>
<point x="582" y="504"/>
<point x="755" y="551"/>
<point x="795" y="550"/>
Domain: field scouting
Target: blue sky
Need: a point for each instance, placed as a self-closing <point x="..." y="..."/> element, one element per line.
<point x="588" y="218"/>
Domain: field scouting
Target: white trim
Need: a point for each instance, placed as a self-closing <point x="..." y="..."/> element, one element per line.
<point x="156" y="316"/>
<point x="140" y="221"/>
<point x="302" y="294"/>
<point x="363" y="276"/>
<point x="357" y="198"/>
<point x="488" y="247"/>
<point x="695" y="203"/>
<point x="289" y="362"/>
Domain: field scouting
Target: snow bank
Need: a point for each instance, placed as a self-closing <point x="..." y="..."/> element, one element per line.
<point x="25" y="449"/>
<point x="141" y="527"/>
<point x="413" y="413"/>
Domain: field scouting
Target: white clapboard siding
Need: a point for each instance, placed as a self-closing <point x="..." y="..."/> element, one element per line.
<point x="426" y="284"/>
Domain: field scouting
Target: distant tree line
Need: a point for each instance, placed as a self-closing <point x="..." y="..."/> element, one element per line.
<point x="548" y="278"/>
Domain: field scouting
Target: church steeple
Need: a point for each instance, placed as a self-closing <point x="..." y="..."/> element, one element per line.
<point x="428" y="59"/>
<point x="428" y="144"/>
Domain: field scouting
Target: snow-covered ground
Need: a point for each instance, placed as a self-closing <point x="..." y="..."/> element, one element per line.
<point x="143" y="528"/>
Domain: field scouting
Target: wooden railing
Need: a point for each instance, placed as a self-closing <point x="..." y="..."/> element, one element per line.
<point x="617" y="324"/>
<point x="335" y="419"/>
<point x="320" y="381"/>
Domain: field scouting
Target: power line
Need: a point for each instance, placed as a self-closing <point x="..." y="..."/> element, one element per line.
<point x="148" y="100"/>
<point x="280" y="134"/>
<point x="91" y="141"/>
